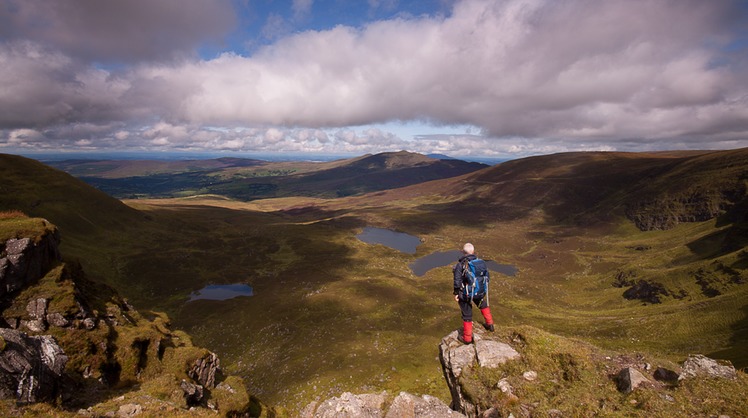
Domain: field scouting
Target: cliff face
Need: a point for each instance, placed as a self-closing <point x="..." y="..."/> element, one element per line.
<point x="75" y="343"/>
<point x="24" y="260"/>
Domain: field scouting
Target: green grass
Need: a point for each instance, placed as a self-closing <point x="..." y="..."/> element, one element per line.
<point x="332" y="314"/>
<point x="577" y="379"/>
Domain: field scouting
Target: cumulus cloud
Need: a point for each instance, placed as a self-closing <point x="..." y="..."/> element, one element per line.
<point x="529" y="74"/>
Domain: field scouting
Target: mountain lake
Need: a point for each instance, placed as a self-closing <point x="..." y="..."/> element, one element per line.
<point x="221" y="292"/>
<point x="400" y="241"/>
<point x="407" y="243"/>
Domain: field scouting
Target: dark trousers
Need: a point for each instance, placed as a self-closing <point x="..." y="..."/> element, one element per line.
<point x="466" y="306"/>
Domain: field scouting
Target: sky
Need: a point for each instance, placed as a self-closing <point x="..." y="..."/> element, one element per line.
<point x="504" y="78"/>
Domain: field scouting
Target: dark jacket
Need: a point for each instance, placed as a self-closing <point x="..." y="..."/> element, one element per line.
<point x="459" y="272"/>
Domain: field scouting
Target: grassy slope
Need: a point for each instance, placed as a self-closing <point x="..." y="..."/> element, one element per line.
<point x="332" y="313"/>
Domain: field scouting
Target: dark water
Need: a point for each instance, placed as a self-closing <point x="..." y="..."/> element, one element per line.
<point x="445" y="258"/>
<point x="407" y="243"/>
<point x="222" y="292"/>
<point x="398" y="240"/>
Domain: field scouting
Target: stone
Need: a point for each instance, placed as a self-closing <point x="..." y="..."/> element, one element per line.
<point x="31" y="367"/>
<point x="504" y="386"/>
<point x="493" y="353"/>
<point x="129" y="410"/>
<point x="352" y="406"/>
<point x="629" y="379"/>
<point x="406" y="405"/>
<point x="57" y="320"/>
<point x="665" y="375"/>
<point x="24" y="260"/>
<point x="700" y="365"/>
<point x="455" y="357"/>
<point x="493" y="413"/>
<point x="193" y="394"/>
<point x="530" y="375"/>
<point x="89" y="323"/>
<point x="35" y="325"/>
<point x="204" y="370"/>
<point x="37" y="308"/>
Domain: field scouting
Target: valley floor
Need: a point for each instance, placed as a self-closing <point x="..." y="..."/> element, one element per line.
<point x="332" y="314"/>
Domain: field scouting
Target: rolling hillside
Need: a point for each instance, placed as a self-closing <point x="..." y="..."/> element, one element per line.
<point x="41" y="191"/>
<point x="252" y="179"/>
<point x="635" y="252"/>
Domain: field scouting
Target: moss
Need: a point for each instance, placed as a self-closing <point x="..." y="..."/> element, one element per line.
<point x="164" y="387"/>
<point x="22" y="227"/>
<point x="231" y="397"/>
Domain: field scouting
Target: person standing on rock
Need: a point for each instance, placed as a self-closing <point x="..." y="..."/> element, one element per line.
<point x="465" y="294"/>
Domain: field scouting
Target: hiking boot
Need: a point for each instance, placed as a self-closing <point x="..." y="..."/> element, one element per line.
<point x="488" y="327"/>
<point x="461" y="339"/>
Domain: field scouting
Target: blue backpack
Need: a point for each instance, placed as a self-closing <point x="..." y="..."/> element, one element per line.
<point x="476" y="278"/>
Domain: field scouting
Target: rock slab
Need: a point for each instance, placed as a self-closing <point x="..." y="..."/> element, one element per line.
<point x="31" y="368"/>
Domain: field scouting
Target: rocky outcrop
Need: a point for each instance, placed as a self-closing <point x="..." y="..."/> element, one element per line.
<point x="204" y="370"/>
<point x="375" y="405"/>
<point x="456" y="357"/>
<point x="700" y="365"/>
<point x="98" y="343"/>
<point x="24" y="260"/>
<point x="31" y="368"/>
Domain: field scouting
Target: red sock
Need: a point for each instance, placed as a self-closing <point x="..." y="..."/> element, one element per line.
<point x="467" y="331"/>
<point x="487" y="314"/>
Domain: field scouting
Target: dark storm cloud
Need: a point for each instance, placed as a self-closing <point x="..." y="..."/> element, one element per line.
<point x="117" y="31"/>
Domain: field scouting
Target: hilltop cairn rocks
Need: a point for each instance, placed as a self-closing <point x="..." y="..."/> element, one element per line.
<point x="24" y="260"/>
<point x="374" y="405"/>
<point x="31" y="368"/>
<point x="456" y="357"/>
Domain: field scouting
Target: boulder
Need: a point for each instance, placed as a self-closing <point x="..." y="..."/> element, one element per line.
<point x="700" y="365"/>
<point x="665" y="375"/>
<point x="456" y="357"/>
<point x="31" y="368"/>
<point x="629" y="379"/>
<point x="371" y="405"/>
<point x="353" y="406"/>
<point x="407" y="405"/>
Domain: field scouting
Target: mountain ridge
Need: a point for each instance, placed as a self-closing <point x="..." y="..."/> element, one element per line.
<point x="251" y="179"/>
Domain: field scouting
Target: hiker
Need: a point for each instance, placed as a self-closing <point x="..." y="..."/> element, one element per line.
<point x="466" y="294"/>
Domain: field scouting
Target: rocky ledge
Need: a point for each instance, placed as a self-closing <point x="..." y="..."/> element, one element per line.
<point x="70" y="346"/>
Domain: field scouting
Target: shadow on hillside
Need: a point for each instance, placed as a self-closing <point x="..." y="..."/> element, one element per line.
<point x="189" y="247"/>
<point x="475" y="213"/>
<point x="720" y="243"/>
<point x="738" y="352"/>
<point x="309" y="213"/>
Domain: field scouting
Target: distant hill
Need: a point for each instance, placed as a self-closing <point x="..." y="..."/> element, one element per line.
<point x="41" y="191"/>
<point x="653" y="190"/>
<point x="376" y="172"/>
<point x="253" y="179"/>
<point x="131" y="168"/>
